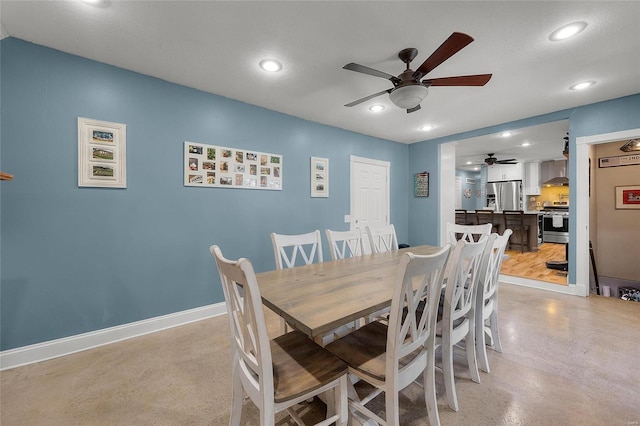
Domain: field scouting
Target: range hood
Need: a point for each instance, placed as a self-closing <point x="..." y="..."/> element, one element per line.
<point x="554" y="173"/>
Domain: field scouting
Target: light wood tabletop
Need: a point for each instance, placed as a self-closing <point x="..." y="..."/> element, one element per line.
<point x="321" y="297"/>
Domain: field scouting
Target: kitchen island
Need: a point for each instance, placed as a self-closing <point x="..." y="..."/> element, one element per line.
<point x="530" y="220"/>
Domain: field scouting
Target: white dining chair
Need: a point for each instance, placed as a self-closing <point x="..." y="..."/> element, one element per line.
<point x="382" y="238"/>
<point x="287" y="247"/>
<point x="458" y="313"/>
<point x="487" y="301"/>
<point x="280" y="373"/>
<point x="344" y="244"/>
<point x="390" y="357"/>
<point x="470" y="233"/>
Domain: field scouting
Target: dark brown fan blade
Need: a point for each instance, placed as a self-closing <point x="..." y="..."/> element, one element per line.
<point x="509" y="161"/>
<point x="415" y="108"/>
<point x="359" y="101"/>
<point x="450" y="47"/>
<point x="366" y="70"/>
<point x="462" y="80"/>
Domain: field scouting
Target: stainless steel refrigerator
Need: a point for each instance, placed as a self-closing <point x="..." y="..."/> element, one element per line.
<point x="505" y="195"/>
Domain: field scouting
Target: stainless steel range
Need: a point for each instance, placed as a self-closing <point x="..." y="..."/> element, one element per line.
<point x="555" y="224"/>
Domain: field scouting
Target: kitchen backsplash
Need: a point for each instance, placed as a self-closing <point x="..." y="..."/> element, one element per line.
<point x="548" y="194"/>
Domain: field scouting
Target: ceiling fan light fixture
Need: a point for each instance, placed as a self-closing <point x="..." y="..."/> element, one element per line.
<point x="410" y="96"/>
<point x="568" y="31"/>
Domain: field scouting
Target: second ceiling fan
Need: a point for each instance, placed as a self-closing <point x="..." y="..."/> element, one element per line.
<point x="408" y="90"/>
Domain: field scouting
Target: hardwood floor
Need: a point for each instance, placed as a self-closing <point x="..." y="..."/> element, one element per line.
<point x="532" y="265"/>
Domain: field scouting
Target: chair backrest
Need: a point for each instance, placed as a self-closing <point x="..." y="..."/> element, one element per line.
<point x="513" y="219"/>
<point x="418" y="277"/>
<point x="484" y="216"/>
<point x="344" y="244"/>
<point x="463" y="274"/>
<point x="489" y="275"/>
<point x="382" y="238"/>
<point x="250" y="341"/>
<point x="287" y="247"/>
<point x="469" y="233"/>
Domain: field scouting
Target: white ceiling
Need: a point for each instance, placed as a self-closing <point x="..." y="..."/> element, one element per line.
<point x="215" y="46"/>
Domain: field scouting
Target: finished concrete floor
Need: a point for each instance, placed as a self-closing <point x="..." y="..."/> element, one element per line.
<point x="567" y="360"/>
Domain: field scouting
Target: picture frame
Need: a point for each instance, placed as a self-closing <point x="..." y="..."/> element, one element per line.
<point x="421" y="184"/>
<point x="627" y="197"/>
<point x="214" y="166"/>
<point x="102" y="154"/>
<point x="319" y="177"/>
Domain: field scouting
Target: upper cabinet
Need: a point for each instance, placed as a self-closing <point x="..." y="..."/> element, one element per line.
<point x="531" y="181"/>
<point x="502" y="172"/>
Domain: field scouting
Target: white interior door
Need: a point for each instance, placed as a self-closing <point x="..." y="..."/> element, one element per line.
<point x="369" y="193"/>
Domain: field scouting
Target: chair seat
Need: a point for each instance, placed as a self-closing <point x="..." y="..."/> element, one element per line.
<point x="300" y="366"/>
<point x="365" y="350"/>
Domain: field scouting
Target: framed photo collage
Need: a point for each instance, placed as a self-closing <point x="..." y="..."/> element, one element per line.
<point x="222" y="167"/>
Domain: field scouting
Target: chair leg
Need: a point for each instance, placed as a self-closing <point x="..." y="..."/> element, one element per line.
<point x="449" y="379"/>
<point x="392" y="407"/>
<point x="430" y="389"/>
<point x="470" y="348"/>
<point x="236" y="396"/>
<point x="495" y="334"/>
<point x="481" y="349"/>
<point x="341" y="402"/>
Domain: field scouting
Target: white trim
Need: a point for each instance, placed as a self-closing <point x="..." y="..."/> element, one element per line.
<point x="56" y="348"/>
<point x="447" y="181"/>
<point x="582" y="198"/>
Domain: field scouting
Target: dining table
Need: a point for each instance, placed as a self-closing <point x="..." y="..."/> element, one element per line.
<point x="319" y="298"/>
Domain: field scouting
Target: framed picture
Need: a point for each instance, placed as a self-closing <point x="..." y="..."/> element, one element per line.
<point x="102" y="154"/>
<point x="628" y="197"/>
<point x="213" y="166"/>
<point x="319" y="177"/>
<point x="421" y="184"/>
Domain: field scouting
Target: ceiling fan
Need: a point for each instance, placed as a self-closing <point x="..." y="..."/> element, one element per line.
<point x="408" y="91"/>
<point x="491" y="160"/>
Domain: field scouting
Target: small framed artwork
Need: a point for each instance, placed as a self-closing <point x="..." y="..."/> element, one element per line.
<point x="102" y="154"/>
<point x="628" y="197"/>
<point x="319" y="177"/>
<point x="421" y="184"/>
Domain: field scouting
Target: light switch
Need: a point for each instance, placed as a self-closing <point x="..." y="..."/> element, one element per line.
<point x="347" y="218"/>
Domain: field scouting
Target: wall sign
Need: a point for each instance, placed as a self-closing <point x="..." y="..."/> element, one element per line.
<point x="622" y="160"/>
<point x="628" y="197"/>
<point x="421" y="184"/>
<point x="222" y="167"/>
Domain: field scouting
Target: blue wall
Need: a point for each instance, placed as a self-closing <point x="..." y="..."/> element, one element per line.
<point x="75" y="260"/>
<point x="81" y="259"/>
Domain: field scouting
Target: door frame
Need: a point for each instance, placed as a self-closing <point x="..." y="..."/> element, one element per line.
<point x="583" y="144"/>
<point x="369" y="161"/>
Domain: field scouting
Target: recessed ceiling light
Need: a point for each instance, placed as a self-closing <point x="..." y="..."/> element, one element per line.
<point x="469" y="162"/>
<point x="567" y="31"/>
<point x="583" y="85"/>
<point x="505" y="134"/>
<point x="427" y="127"/>
<point x="526" y="144"/>
<point x="376" y="108"/>
<point x="270" y="65"/>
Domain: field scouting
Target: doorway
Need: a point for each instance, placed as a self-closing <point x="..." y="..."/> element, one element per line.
<point x="582" y="233"/>
<point x="370" y="204"/>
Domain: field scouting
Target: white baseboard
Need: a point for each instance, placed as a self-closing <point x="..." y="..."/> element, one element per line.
<point x="55" y="348"/>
